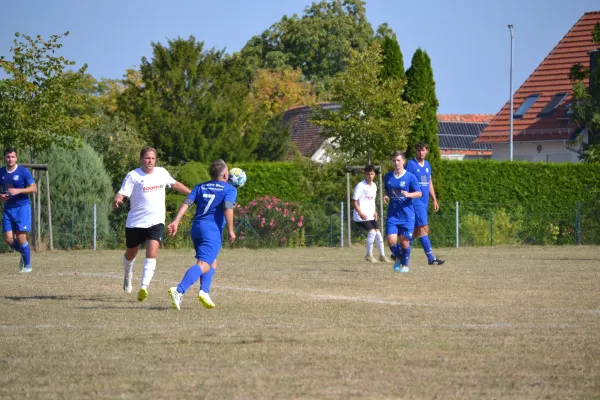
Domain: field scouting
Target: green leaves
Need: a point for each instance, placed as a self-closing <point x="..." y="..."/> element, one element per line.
<point x="36" y="99"/>
<point x="372" y="113"/>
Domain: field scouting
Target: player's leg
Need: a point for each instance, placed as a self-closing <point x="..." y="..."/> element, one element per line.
<point x="370" y="240"/>
<point x="206" y="279"/>
<point x="405" y="239"/>
<point x="379" y="242"/>
<point x="153" y="236"/>
<point x="422" y="231"/>
<point x="16" y="222"/>
<point x="133" y="238"/>
<point x="392" y="240"/>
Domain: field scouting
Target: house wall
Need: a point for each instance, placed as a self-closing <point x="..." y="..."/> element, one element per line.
<point x="528" y="151"/>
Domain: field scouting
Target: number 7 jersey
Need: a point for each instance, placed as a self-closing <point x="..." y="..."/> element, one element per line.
<point x="209" y="198"/>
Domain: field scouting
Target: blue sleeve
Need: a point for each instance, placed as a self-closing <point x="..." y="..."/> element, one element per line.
<point x="409" y="166"/>
<point x="414" y="184"/>
<point x="27" y="177"/>
<point x="230" y="195"/>
<point x="193" y="195"/>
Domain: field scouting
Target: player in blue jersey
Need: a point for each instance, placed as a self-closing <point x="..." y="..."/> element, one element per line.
<point x="214" y="208"/>
<point x="401" y="188"/>
<point x="16" y="183"/>
<point x="422" y="170"/>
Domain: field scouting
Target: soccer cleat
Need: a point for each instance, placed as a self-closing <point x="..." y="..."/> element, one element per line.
<point x="404" y="268"/>
<point x="127" y="282"/>
<point x="436" y="261"/>
<point x="26" y="268"/>
<point x="205" y="299"/>
<point x="370" y="259"/>
<point x="384" y="259"/>
<point x="176" y="298"/>
<point x="397" y="265"/>
<point x="142" y="294"/>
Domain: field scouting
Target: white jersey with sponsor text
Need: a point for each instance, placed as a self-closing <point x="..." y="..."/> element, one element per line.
<point x="146" y="194"/>
<point x="365" y="195"/>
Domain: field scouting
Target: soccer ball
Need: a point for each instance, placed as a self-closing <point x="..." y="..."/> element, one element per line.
<point x="237" y="177"/>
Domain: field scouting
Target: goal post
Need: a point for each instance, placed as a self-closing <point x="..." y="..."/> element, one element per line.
<point x="36" y="210"/>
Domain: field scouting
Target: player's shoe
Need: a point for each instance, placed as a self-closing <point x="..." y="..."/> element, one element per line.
<point x="26" y="268"/>
<point x="176" y="298"/>
<point x="404" y="268"/>
<point x="127" y="282"/>
<point x="142" y="294"/>
<point x="397" y="265"/>
<point x="436" y="261"/>
<point x="205" y="299"/>
<point x="370" y="259"/>
<point x="384" y="259"/>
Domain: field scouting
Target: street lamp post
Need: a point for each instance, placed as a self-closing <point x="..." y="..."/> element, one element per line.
<point x="510" y="27"/>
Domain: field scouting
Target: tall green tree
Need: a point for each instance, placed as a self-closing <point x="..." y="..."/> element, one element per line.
<point x="372" y="116"/>
<point x="189" y="105"/>
<point x="37" y="97"/>
<point x="319" y="42"/>
<point x="420" y="89"/>
<point x="78" y="181"/>
<point x="586" y="102"/>
<point x="393" y="62"/>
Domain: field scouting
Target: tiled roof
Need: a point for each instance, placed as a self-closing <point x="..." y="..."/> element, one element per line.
<point x="456" y="131"/>
<point x="305" y="135"/>
<point x="548" y="79"/>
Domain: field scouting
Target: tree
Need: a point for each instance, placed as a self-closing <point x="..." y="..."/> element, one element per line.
<point x="36" y="99"/>
<point x="420" y="89"/>
<point x="372" y="116"/>
<point x="319" y="43"/>
<point x="78" y="181"/>
<point x="586" y="102"/>
<point x="188" y="104"/>
<point x="393" y="62"/>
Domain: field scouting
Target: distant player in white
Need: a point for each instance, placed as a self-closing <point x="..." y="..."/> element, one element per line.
<point x="145" y="186"/>
<point x="365" y="214"/>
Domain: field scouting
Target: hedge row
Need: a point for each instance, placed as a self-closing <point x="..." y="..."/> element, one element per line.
<point x="534" y="186"/>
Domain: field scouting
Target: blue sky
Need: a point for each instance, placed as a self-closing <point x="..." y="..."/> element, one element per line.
<point x="468" y="40"/>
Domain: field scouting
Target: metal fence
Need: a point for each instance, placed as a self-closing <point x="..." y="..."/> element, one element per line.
<point x="296" y="224"/>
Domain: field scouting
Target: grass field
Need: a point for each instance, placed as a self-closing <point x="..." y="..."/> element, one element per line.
<point x="306" y="323"/>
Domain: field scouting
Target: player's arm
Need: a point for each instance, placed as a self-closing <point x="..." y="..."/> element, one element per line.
<point x="228" y="204"/>
<point x="172" y="227"/>
<point x="181" y="188"/>
<point x="357" y="208"/>
<point x="436" y="206"/>
<point x="27" y="190"/>
<point x="125" y="191"/>
<point x="415" y="190"/>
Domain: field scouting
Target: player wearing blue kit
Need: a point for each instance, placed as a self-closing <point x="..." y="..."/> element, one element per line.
<point x="16" y="183"/>
<point x="401" y="188"/>
<point x="214" y="208"/>
<point x="422" y="170"/>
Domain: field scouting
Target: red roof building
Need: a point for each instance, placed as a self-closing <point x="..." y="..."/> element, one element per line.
<point x="542" y="124"/>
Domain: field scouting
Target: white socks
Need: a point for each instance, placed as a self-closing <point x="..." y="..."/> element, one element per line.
<point x="148" y="272"/>
<point x="127" y="265"/>
<point x="379" y="241"/>
<point x="370" y="240"/>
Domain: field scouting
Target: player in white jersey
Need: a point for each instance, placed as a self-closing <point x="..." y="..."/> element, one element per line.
<point x="145" y="187"/>
<point x="365" y="213"/>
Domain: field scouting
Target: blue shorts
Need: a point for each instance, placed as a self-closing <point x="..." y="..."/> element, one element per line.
<point x="421" y="216"/>
<point x="17" y="219"/>
<point x="399" y="229"/>
<point x="207" y="244"/>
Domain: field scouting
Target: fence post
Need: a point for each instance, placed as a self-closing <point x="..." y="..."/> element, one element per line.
<point x="342" y="224"/>
<point x="492" y="228"/>
<point x="457" y="224"/>
<point x="94" y="226"/>
<point x="579" y="222"/>
<point x="331" y="230"/>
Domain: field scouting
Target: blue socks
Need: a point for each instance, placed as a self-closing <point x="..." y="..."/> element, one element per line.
<point x="396" y="250"/>
<point x="405" y="256"/>
<point x="191" y="276"/>
<point x="206" y="280"/>
<point x="426" y="243"/>
<point x="24" y="250"/>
